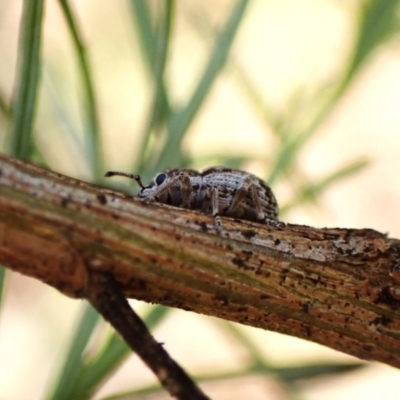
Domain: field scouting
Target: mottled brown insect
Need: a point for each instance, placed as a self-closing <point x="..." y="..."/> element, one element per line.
<point x="216" y="190"/>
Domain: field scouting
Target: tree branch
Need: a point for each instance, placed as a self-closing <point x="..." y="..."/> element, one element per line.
<point x="105" y="295"/>
<point x="337" y="287"/>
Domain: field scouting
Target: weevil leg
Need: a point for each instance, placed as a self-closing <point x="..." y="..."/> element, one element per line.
<point x="260" y="214"/>
<point x="186" y="190"/>
<point x="274" y="222"/>
<point x="164" y="188"/>
<point x="215" y="209"/>
<point x="256" y="202"/>
<point x="240" y="196"/>
<point x="206" y="203"/>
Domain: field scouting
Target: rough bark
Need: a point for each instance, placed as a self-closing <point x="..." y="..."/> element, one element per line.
<point x="337" y="287"/>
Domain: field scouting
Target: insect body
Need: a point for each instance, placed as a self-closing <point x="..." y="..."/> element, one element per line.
<point x="216" y="190"/>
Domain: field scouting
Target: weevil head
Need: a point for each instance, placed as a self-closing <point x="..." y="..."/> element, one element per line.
<point x="150" y="190"/>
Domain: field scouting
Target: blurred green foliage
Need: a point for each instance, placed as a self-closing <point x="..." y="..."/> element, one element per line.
<point x="80" y="376"/>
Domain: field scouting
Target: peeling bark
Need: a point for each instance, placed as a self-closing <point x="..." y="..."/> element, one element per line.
<point x="337" y="287"/>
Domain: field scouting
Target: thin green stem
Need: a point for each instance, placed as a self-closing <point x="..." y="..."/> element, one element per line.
<point x="73" y="364"/>
<point x="27" y="80"/>
<point x="160" y="108"/>
<point x="180" y="121"/>
<point x="93" y="146"/>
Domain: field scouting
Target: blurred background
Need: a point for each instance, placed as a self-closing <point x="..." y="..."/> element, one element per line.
<point x="305" y="94"/>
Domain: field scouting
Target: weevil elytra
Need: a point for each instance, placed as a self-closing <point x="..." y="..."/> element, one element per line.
<point x="216" y="190"/>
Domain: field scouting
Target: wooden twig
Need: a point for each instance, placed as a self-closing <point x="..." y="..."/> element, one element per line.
<point x="337" y="287"/>
<point x="105" y="295"/>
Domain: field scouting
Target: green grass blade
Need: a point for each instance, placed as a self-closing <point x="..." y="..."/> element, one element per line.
<point x="35" y="155"/>
<point x="288" y="376"/>
<point x="58" y="106"/>
<point x="27" y="79"/>
<point x="4" y="107"/>
<point x="307" y="372"/>
<point x="93" y="147"/>
<point x="250" y="345"/>
<point x="2" y="282"/>
<point x="204" y="30"/>
<point x="104" y="364"/>
<point x="160" y="108"/>
<point x="114" y="353"/>
<point x="90" y="376"/>
<point x="180" y="121"/>
<point x="163" y="36"/>
<point x="71" y="371"/>
<point x="378" y="21"/>
<point x="141" y="15"/>
<point x="313" y="191"/>
<point x="286" y="154"/>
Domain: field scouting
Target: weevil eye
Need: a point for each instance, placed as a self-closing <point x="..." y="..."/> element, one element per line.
<point x="160" y="179"/>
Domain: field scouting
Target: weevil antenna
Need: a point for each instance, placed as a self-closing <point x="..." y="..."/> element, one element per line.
<point x="130" y="176"/>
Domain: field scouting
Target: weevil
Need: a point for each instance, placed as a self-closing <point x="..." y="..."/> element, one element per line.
<point x="216" y="191"/>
